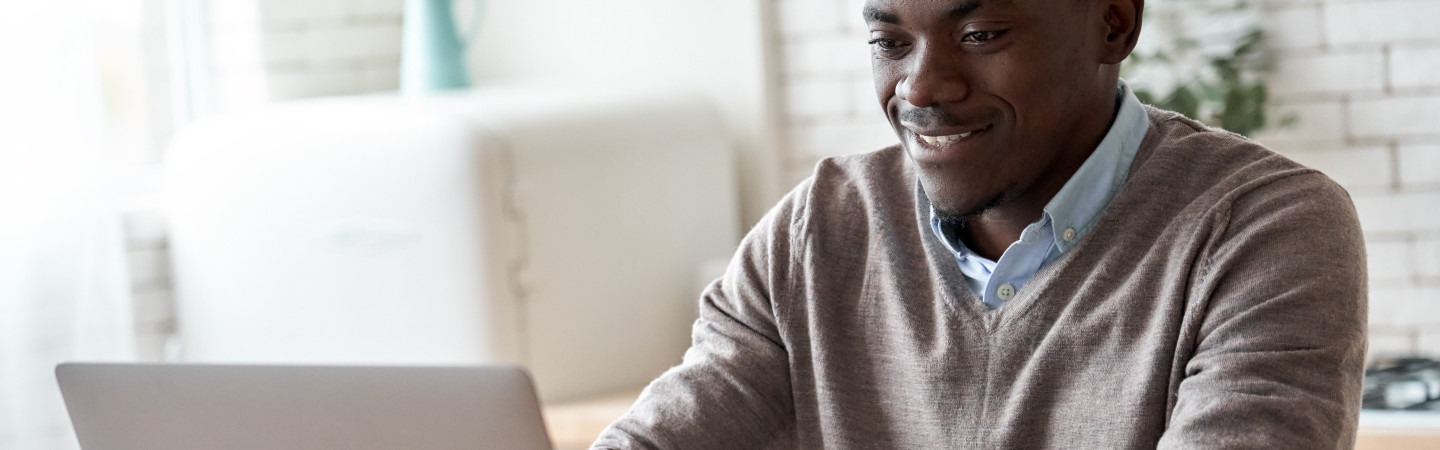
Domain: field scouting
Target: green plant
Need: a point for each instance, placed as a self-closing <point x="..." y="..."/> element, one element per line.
<point x="1215" y="77"/>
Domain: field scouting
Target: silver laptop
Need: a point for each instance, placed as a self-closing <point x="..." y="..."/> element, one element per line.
<point x="222" y="407"/>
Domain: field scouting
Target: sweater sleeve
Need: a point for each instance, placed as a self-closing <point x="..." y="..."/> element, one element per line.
<point x="732" y="389"/>
<point x="1280" y="347"/>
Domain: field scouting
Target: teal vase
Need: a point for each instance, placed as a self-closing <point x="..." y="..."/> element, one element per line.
<point x="433" y="55"/>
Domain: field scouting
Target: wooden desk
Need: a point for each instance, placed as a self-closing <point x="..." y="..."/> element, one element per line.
<point x="1389" y="430"/>
<point x="1397" y="439"/>
<point x="575" y="425"/>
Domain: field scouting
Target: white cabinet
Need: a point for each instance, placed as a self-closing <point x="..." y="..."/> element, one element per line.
<point x="557" y="228"/>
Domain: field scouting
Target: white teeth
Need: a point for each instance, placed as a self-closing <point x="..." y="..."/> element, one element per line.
<point x="942" y="139"/>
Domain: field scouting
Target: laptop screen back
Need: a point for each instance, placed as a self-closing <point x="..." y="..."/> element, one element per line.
<point x="167" y="406"/>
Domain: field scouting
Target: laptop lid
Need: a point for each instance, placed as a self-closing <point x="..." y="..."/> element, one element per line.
<point x="221" y="407"/>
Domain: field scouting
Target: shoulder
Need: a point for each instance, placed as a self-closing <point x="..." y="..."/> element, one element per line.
<point x="882" y="172"/>
<point x="856" y="189"/>
<point x="1230" y="188"/>
<point x="846" y="203"/>
<point x="1205" y="152"/>
<point x="1185" y="158"/>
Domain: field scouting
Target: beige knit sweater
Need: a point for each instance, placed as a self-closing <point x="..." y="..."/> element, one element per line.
<point x="1218" y="302"/>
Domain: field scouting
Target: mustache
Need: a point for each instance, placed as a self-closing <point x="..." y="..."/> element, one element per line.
<point x="933" y="118"/>
<point x="926" y="117"/>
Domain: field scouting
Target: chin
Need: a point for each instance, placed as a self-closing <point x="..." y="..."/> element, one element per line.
<point x="955" y="201"/>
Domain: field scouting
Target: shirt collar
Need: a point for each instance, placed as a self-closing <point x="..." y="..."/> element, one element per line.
<point x="1080" y="201"/>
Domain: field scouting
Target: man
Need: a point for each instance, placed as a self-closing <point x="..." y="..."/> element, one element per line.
<point x="1043" y="262"/>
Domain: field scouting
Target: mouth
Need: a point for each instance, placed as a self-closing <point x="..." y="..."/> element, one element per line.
<point x="945" y="145"/>
<point x="943" y="139"/>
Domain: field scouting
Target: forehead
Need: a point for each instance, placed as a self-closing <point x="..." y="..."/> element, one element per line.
<point x="901" y="11"/>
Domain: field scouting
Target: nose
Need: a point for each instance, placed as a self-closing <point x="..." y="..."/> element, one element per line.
<point x="933" y="76"/>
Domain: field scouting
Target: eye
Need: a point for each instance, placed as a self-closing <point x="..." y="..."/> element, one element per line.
<point x="886" y="45"/>
<point x="889" y="48"/>
<point x="980" y="37"/>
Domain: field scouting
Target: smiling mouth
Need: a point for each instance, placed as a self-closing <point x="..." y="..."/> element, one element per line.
<point x="942" y="139"/>
<point x="946" y="139"/>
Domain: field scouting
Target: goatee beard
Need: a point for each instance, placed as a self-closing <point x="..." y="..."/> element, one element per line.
<point x="953" y="221"/>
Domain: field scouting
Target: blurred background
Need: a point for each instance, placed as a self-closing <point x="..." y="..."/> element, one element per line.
<point x="249" y="181"/>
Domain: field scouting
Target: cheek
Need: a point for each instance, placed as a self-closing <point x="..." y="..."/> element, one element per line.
<point x="885" y="78"/>
<point x="1031" y="90"/>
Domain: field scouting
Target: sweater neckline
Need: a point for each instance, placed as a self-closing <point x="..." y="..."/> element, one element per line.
<point x="963" y="302"/>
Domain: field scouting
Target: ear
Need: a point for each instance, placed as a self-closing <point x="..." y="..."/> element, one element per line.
<point x="1122" y="28"/>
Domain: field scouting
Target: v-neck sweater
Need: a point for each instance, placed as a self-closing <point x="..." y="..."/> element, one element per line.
<point x="1218" y="302"/>
<point x="1065" y="218"/>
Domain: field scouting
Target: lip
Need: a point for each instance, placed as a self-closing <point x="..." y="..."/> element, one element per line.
<point x="944" y="141"/>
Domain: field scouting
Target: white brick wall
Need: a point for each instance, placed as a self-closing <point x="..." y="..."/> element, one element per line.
<point x="820" y="99"/>
<point x="827" y="98"/>
<point x="1404" y="263"/>
<point x="1425" y="259"/>
<point x="266" y="50"/>
<point x="1329" y="72"/>
<point x="1319" y="123"/>
<point x="1366" y="94"/>
<point x="1362" y="76"/>
<point x="829" y="55"/>
<point x="1397" y="307"/>
<point x="151" y="290"/>
<point x="807" y="18"/>
<point x="1391" y="103"/>
<point x="1419" y="164"/>
<point x="825" y="138"/>
<point x="1428" y="342"/>
<point x="1417" y="116"/>
<point x="1389" y="262"/>
<point x="1417" y="67"/>
<point x="1301" y="24"/>
<point x="1380" y="22"/>
<point x="1386" y="344"/>
<point x="1352" y="167"/>
<point x="1409" y="212"/>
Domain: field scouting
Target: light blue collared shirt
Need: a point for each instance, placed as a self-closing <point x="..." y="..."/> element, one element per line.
<point x="1068" y="216"/>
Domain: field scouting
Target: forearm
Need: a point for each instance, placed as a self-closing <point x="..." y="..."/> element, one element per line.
<point x="1282" y="303"/>
<point x="731" y="391"/>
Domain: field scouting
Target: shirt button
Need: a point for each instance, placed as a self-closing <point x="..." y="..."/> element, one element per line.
<point x="1005" y="291"/>
<point x="1068" y="234"/>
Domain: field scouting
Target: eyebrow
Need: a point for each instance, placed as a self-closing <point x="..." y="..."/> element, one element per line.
<point x="873" y="14"/>
<point x="959" y="11"/>
<point x="956" y="12"/>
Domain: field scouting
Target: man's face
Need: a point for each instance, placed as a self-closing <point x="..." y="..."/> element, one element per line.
<point x="988" y="95"/>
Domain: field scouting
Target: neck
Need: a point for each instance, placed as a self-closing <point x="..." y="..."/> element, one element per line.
<point x="990" y="233"/>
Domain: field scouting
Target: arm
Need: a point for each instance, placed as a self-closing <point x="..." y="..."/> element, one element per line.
<point x="732" y="389"/>
<point x="1281" y="342"/>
